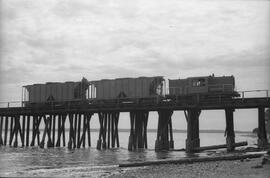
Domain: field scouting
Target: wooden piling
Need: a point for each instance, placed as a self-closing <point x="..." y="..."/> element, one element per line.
<point x="88" y="130"/>
<point x="164" y="133"/>
<point x="23" y="130"/>
<point x="63" y="129"/>
<point x="71" y="139"/>
<point x="27" y="130"/>
<point x="11" y="130"/>
<point x="79" y="131"/>
<point x="193" y="140"/>
<point x="229" y="132"/>
<point x="59" y="120"/>
<point x="6" y="130"/>
<point x="262" y="136"/>
<point x="109" y="129"/>
<point x="16" y="129"/>
<point x="53" y="130"/>
<point x="1" y="129"/>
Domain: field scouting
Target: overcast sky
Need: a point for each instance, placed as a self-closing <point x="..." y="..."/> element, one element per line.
<point x="64" y="40"/>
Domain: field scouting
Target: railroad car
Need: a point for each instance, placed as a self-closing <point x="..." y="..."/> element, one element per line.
<point x="55" y="92"/>
<point x="204" y="85"/>
<point x="127" y="88"/>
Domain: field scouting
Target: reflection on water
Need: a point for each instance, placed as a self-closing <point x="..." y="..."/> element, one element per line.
<point x="34" y="161"/>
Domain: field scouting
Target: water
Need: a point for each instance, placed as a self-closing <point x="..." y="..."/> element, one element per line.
<point x="34" y="161"/>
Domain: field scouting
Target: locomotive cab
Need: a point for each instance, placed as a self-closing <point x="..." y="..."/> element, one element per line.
<point x="197" y="85"/>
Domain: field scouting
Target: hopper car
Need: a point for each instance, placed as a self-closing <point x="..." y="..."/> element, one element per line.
<point x="129" y="90"/>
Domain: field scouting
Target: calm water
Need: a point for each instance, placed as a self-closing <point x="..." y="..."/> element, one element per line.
<point x="91" y="162"/>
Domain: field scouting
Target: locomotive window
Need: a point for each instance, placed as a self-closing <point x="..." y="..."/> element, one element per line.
<point x="198" y="82"/>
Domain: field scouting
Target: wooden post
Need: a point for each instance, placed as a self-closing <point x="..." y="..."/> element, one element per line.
<point x="79" y="131"/>
<point x="16" y="129"/>
<point x="262" y="136"/>
<point x="49" y="142"/>
<point x="23" y="130"/>
<point x="63" y="129"/>
<point x="71" y="139"/>
<point x="75" y="130"/>
<point x="1" y="129"/>
<point x="146" y="114"/>
<point x="53" y="131"/>
<point x="116" y="129"/>
<point x="109" y="129"/>
<point x="131" y="136"/>
<point x="44" y="132"/>
<point x="113" y="130"/>
<point x="6" y="130"/>
<point x="84" y="129"/>
<point x="230" y="140"/>
<point x="59" y="118"/>
<point x="33" y="130"/>
<point x="11" y="130"/>
<point x="100" y="117"/>
<point x="193" y="140"/>
<point x="104" y="131"/>
<point x="88" y="130"/>
<point x="28" y="130"/>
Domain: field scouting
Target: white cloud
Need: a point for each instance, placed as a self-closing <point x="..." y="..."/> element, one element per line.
<point x="64" y="40"/>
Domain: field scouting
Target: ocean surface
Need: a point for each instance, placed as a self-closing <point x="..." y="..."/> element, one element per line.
<point x="89" y="162"/>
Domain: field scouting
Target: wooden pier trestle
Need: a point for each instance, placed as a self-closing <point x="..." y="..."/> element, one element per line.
<point x="138" y="130"/>
<point x="193" y="139"/>
<point x="15" y="129"/>
<point x="108" y="130"/>
<point x="78" y="121"/>
<point x="164" y="139"/>
<point x="262" y="136"/>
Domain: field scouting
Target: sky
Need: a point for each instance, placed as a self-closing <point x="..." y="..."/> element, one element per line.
<point x="65" y="40"/>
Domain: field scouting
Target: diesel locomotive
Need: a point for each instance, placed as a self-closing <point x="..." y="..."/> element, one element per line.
<point x="139" y="90"/>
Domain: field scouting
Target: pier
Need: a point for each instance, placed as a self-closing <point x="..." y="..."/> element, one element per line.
<point x="23" y="124"/>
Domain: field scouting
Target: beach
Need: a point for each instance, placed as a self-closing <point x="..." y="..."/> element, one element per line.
<point x="236" y="168"/>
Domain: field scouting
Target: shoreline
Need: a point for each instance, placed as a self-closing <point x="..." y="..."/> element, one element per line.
<point x="233" y="168"/>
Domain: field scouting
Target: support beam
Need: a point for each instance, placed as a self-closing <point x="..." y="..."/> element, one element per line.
<point x="164" y="139"/>
<point x="262" y="136"/>
<point x="193" y="140"/>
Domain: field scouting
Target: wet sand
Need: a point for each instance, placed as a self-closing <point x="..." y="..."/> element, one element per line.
<point x="238" y="168"/>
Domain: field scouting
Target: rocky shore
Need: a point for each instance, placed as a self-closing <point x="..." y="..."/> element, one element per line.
<point x="257" y="167"/>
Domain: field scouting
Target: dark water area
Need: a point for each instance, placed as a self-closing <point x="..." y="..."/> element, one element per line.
<point x="89" y="162"/>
